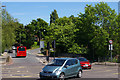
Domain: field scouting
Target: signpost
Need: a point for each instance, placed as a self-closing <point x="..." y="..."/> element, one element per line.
<point x="110" y="41"/>
<point x="111" y="48"/>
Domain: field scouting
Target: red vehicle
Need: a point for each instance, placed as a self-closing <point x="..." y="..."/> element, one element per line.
<point x="21" y="51"/>
<point x="85" y="64"/>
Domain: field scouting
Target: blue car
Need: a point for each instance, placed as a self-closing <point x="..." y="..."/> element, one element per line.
<point x="61" y="68"/>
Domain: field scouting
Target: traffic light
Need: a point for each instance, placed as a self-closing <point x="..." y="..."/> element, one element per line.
<point x="53" y="44"/>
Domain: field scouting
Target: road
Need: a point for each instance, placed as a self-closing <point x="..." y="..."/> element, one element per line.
<point x="30" y="67"/>
<point x="23" y="67"/>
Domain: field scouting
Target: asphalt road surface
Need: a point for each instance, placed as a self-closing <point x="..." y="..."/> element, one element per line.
<point x="28" y="69"/>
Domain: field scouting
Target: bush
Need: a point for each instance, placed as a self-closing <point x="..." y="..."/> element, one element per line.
<point x="115" y="60"/>
<point x="35" y="44"/>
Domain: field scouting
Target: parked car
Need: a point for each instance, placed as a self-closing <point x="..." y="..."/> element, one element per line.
<point x="85" y="64"/>
<point x="61" y="68"/>
<point x="10" y="51"/>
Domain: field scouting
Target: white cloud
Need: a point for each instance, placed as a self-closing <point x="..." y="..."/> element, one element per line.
<point x="60" y="0"/>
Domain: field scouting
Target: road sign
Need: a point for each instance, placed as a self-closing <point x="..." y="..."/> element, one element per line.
<point x="110" y="41"/>
<point x="41" y="44"/>
<point x="110" y="47"/>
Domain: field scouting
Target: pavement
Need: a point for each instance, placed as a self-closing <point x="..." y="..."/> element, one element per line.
<point x="5" y="58"/>
<point x="43" y="59"/>
<point x="106" y="63"/>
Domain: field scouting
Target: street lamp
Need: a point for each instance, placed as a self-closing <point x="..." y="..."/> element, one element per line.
<point x="4" y="7"/>
<point x="1" y="28"/>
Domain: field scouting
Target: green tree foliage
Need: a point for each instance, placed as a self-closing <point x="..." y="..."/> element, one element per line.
<point x="29" y="36"/>
<point x="53" y="16"/>
<point x="76" y="49"/>
<point x="40" y="27"/>
<point x="63" y="31"/>
<point x="74" y="19"/>
<point x="20" y="34"/>
<point x="36" y="27"/>
<point x="116" y="36"/>
<point x="63" y="21"/>
<point x="96" y="27"/>
<point x="9" y="24"/>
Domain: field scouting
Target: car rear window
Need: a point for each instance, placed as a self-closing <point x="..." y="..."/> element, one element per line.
<point x="83" y="59"/>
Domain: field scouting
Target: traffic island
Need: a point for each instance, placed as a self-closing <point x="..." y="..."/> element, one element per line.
<point x="43" y="59"/>
<point x="9" y="60"/>
<point x="5" y="58"/>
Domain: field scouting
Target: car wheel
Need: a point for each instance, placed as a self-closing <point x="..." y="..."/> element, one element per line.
<point x="79" y="74"/>
<point x="62" y="76"/>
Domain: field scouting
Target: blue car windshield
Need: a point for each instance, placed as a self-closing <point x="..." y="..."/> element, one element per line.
<point x="83" y="59"/>
<point x="56" y="62"/>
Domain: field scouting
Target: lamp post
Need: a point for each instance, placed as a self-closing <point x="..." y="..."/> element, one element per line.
<point x="4" y="7"/>
<point x="1" y="27"/>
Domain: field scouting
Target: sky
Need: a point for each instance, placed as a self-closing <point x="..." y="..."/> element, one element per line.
<point x="27" y="11"/>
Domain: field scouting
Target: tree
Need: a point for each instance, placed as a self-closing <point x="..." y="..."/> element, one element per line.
<point x="39" y="27"/>
<point x="36" y="27"/>
<point x="9" y="24"/>
<point x="53" y="17"/>
<point x="20" y="34"/>
<point x="116" y="36"/>
<point x="63" y="32"/>
<point x="96" y="27"/>
<point x="63" y="21"/>
<point x="29" y="29"/>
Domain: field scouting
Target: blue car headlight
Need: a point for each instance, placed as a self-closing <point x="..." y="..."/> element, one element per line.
<point x="58" y="71"/>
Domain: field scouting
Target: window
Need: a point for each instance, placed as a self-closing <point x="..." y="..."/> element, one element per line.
<point x="75" y="61"/>
<point x="21" y="49"/>
<point x="69" y="62"/>
<point x="83" y="59"/>
<point x="57" y="62"/>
